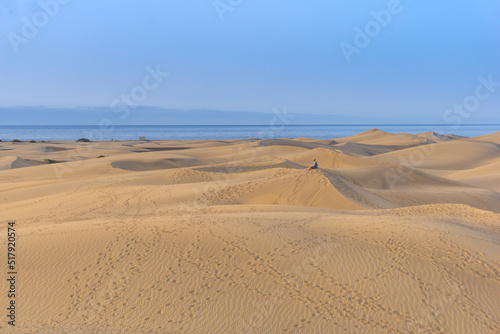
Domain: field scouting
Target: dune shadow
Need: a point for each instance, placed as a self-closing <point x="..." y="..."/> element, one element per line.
<point x="139" y="166"/>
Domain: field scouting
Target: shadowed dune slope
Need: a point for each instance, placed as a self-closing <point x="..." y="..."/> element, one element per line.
<point x="132" y="165"/>
<point x="492" y="137"/>
<point x="436" y="137"/>
<point x="451" y="155"/>
<point x="11" y="162"/>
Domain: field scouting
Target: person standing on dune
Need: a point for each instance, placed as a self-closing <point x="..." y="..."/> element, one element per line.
<point x="313" y="166"/>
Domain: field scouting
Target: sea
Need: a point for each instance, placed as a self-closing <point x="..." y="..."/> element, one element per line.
<point x="189" y="132"/>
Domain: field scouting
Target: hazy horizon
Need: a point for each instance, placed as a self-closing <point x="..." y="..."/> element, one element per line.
<point x="40" y="116"/>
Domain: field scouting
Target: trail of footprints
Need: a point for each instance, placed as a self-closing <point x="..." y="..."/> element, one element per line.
<point x="321" y="294"/>
<point x="114" y="268"/>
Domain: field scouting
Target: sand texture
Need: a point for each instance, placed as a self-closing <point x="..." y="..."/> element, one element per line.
<point x="395" y="233"/>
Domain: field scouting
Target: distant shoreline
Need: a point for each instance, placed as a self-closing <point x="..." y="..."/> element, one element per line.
<point x="226" y="132"/>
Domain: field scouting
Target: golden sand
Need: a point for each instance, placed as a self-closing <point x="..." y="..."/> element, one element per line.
<point x="395" y="233"/>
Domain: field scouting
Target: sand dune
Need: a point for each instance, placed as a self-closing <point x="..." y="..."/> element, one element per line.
<point x="53" y="149"/>
<point x="395" y="233"/>
<point x="10" y="162"/>
<point x="487" y="176"/>
<point x="366" y="150"/>
<point x="370" y="135"/>
<point x="259" y="271"/>
<point x="492" y="137"/>
<point x="374" y="142"/>
<point x="450" y="155"/>
<point x="378" y="137"/>
<point x="309" y="144"/>
<point x="472" y="161"/>
<point x="436" y="137"/>
<point x="174" y="162"/>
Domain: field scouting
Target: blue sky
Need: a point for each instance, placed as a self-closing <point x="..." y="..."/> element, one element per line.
<point x="252" y="56"/>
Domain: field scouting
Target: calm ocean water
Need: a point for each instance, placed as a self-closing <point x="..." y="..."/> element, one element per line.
<point x="157" y="132"/>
